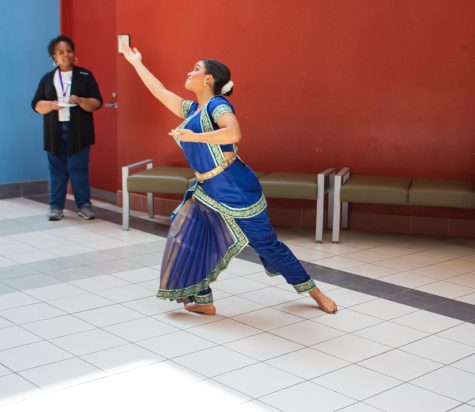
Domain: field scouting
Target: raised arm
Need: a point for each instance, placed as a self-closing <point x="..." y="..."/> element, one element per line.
<point x="169" y="99"/>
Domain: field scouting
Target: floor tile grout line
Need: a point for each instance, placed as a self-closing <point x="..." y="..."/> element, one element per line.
<point x="434" y="295"/>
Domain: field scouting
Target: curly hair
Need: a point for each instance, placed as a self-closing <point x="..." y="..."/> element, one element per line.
<point x="52" y="44"/>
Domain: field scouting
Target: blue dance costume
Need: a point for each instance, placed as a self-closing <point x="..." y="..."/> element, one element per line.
<point x="218" y="218"/>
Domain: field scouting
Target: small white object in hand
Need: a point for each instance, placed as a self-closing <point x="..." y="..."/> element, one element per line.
<point x="227" y="87"/>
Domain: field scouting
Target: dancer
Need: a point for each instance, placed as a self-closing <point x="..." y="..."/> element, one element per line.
<point x="225" y="209"/>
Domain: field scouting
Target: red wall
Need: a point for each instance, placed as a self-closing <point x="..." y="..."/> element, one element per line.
<point x="91" y="24"/>
<point x="386" y="87"/>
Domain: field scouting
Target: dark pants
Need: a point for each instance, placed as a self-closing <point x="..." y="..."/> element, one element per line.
<point x="276" y="257"/>
<point x="65" y="167"/>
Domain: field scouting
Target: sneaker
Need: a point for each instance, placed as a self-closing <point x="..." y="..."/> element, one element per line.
<point x="54" y="213"/>
<point x="86" y="212"/>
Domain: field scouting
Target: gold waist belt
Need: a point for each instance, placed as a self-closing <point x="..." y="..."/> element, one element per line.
<point x="216" y="171"/>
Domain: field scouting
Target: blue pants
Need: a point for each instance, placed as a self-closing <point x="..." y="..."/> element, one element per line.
<point x="65" y="167"/>
<point x="276" y="257"/>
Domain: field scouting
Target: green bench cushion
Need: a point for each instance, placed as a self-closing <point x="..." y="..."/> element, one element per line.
<point x="161" y="179"/>
<point x="376" y="189"/>
<point x="443" y="193"/>
<point x="290" y="185"/>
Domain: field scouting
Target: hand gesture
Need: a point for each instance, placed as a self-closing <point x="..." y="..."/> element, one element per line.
<point x="132" y="56"/>
<point x="184" y="135"/>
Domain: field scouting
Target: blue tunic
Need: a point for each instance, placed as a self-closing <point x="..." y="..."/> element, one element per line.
<point x="236" y="192"/>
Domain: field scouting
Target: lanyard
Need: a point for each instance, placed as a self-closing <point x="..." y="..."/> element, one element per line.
<point x="62" y="84"/>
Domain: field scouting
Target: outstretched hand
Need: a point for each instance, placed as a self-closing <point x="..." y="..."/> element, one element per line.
<point x="184" y="135"/>
<point x="132" y="56"/>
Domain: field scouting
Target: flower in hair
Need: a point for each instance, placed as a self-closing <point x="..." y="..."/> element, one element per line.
<point x="227" y="87"/>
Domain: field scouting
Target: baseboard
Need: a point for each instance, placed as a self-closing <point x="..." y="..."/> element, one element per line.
<point x="104" y="195"/>
<point x="23" y="189"/>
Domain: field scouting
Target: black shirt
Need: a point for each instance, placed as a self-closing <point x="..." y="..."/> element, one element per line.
<point x="81" y="132"/>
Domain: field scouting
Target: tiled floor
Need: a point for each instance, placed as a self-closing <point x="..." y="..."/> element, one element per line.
<point x="81" y="329"/>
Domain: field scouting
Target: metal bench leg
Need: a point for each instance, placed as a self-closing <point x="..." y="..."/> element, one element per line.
<point x="150" y="197"/>
<point x="125" y="199"/>
<point x="320" y="199"/>
<point x="331" y="200"/>
<point x="344" y="215"/>
<point x="336" y="210"/>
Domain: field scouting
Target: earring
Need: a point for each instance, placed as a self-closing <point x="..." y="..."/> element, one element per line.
<point x="205" y="83"/>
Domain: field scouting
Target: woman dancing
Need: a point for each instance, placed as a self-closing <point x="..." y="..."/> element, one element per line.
<point x="225" y="209"/>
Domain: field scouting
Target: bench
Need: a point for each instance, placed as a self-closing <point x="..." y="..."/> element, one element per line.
<point x="396" y="191"/>
<point x="177" y="180"/>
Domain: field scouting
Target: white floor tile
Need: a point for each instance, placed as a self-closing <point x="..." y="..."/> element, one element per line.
<point x="467" y="364"/>
<point x="59" y="326"/>
<point x="15" y="336"/>
<point x="263" y="346"/>
<point x="224" y="331"/>
<point x="307" y="363"/>
<point x="88" y="342"/>
<point x="254" y="406"/>
<point x="339" y="262"/>
<point x="80" y="303"/>
<point x="351" y="348"/>
<point x="391" y="334"/>
<point x="450" y="382"/>
<point x="32" y="256"/>
<point x="467" y="279"/>
<point x="372" y="271"/>
<point x="15" y="299"/>
<point x="347" y="320"/>
<point x="439" y="349"/>
<point x="307" y="332"/>
<point x="98" y="283"/>
<point x="266" y="319"/>
<point x="5" y="323"/>
<point x="235" y="305"/>
<point x="262" y="277"/>
<point x="360" y="407"/>
<point x="183" y="319"/>
<point x="427" y="321"/>
<point x="175" y="344"/>
<point x="407" y="279"/>
<point x="152" y="305"/>
<point x="122" y="358"/>
<point x="125" y="293"/>
<point x="296" y="398"/>
<point x="464" y="408"/>
<point x="346" y="297"/>
<point x="62" y="374"/>
<point x="14" y="388"/>
<point x="62" y="290"/>
<point x="258" y="380"/>
<point x="238" y="285"/>
<point x="305" y="308"/>
<point x="384" y="309"/>
<point x="464" y="333"/>
<point x="214" y="361"/>
<point x="411" y="398"/>
<point x="270" y="296"/>
<point x="446" y="289"/>
<point x="243" y="267"/>
<point x="468" y="298"/>
<point x="401" y="365"/>
<point x="32" y="355"/>
<point x="109" y="315"/>
<point x="139" y="275"/>
<point x="31" y="313"/>
<point x="140" y="329"/>
<point x="357" y="382"/>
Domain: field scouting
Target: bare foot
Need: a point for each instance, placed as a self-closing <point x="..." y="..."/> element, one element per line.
<point x="324" y="302"/>
<point x="204" y="309"/>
